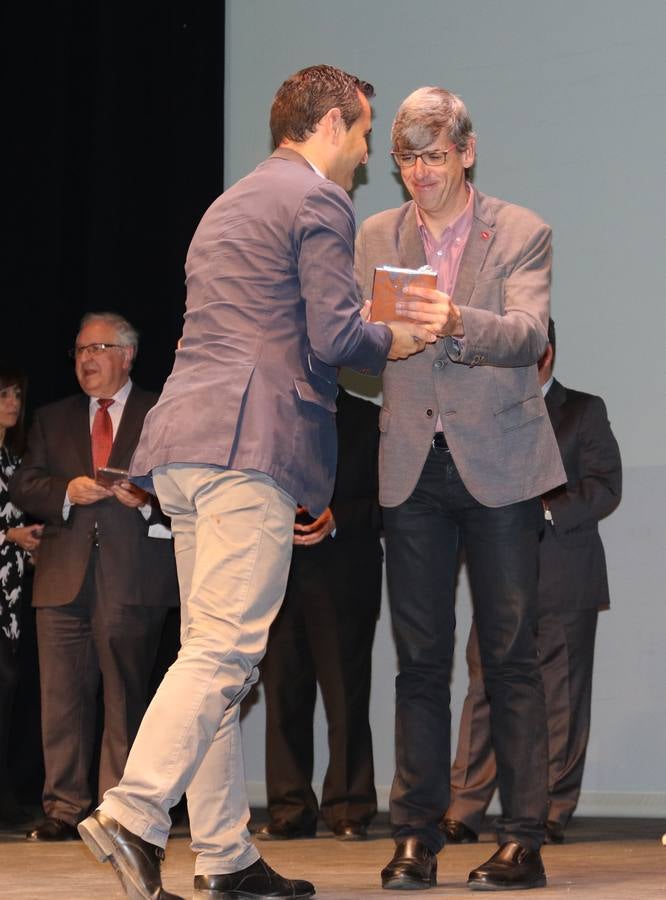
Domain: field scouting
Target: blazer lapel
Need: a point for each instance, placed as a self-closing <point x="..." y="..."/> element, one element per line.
<point x="410" y="246"/>
<point x="555" y="398"/>
<point x="79" y="433"/>
<point x="128" y="432"/>
<point x="480" y="239"/>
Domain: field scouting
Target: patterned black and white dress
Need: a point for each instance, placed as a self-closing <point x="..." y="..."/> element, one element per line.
<point x="12" y="557"/>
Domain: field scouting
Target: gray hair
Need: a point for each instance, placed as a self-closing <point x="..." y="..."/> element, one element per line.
<point x="426" y="112"/>
<point x="128" y="336"/>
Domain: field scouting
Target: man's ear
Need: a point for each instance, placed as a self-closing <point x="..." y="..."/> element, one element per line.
<point x="332" y="122"/>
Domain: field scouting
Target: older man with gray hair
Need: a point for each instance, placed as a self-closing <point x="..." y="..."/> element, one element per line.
<point x="466" y="451"/>
<point x="105" y="573"/>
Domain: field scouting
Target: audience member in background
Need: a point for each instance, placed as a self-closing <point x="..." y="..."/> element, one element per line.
<point x="17" y="540"/>
<point x="102" y="581"/>
<point x="323" y="635"/>
<point x="466" y="450"/>
<point x="573" y="586"/>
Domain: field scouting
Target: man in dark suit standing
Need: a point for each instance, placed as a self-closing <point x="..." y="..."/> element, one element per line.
<point x="105" y="572"/>
<point x="573" y="586"/>
<point x="323" y="634"/>
<point x="243" y="430"/>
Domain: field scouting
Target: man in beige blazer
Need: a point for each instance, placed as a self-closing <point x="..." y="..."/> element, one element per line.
<point x="466" y="451"/>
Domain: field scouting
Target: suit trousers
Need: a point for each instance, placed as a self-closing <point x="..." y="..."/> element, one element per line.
<point x="423" y="538"/>
<point x="323" y="635"/>
<point x="233" y="540"/>
<point x="566" y="654"/>
<point x="94" y="637"/>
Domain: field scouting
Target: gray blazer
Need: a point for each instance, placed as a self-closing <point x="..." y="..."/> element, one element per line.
<point x="272" y="311"/>
<point x="485" y="390"/>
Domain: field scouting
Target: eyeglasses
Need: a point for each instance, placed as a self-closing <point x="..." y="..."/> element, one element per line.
<point x="405" y="159"/>
<point x="92" y="350"/>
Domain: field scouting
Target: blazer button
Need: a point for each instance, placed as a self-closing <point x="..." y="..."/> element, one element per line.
<point x="439" y="364"/>
<point x="429" y="413"/>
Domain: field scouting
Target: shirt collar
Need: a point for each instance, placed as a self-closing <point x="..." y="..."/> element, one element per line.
<point x="310" y="163"/>
<point x="119" y="398"/>
<point x="546" y="387"/>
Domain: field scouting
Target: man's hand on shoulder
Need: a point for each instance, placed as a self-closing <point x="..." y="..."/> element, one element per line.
<point x="83" y="491"/>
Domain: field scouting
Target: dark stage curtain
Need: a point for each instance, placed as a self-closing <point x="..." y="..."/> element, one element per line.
<point x="114" y="122"/>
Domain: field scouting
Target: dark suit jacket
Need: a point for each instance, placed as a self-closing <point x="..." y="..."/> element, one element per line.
<point x="573" y="564"/>
<point x="348" y="565"/>
<point x="272" y="310"/>
<point x="137" y="569"/>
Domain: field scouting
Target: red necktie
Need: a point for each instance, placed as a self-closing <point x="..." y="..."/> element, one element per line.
<point x="101" y="435"/>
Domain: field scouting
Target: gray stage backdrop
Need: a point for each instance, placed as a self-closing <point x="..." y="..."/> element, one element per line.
<point x="567" y="99"/>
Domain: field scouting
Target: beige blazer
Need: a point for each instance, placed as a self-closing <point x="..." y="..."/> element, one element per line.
<point x="486" y="389"/>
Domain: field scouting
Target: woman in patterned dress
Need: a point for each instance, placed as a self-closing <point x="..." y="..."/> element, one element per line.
<point x="17" y="540"/>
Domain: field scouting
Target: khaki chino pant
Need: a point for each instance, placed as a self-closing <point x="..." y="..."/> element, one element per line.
<point x="233" y="535"/>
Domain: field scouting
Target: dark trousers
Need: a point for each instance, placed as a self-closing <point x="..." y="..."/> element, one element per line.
<point x="91" y="638"/>
<point x="566" y="655"/>
<point x="323" y="635"/>
<point x="423" y="537"/>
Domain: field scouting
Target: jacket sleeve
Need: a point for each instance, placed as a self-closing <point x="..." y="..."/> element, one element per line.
<point x="33" y="488"/>
<point x="599" y="487"/>
<point x="325" y="238"/>
<point x="519" y="334"/>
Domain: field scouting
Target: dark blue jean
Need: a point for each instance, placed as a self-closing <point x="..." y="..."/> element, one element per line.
<point x="423" y="538"/>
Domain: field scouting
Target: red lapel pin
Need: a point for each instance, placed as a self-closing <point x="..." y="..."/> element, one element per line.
<point x="485" y="235"/>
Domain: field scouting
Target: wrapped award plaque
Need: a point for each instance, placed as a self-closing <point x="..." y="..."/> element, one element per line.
<point x="387" y="287"/>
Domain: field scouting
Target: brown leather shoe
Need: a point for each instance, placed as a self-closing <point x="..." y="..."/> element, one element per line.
<point x="554" y="832"/>
<point x="281" y="830"/>
<point x="512" y="867"/>
<point x="53" y="829"/>
<point x="413" y="867"/>
<point x="256" y="882"/>
<point x="136" y="862"/>
<point x="350" y="830"/>
<point x="457" y="832"/>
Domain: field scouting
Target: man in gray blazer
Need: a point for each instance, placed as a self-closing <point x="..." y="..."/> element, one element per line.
<point x="244" y="429"/>
<point x="466" y="451"/>
<point x="573" y="586"/>
<point x="104" y="578"/>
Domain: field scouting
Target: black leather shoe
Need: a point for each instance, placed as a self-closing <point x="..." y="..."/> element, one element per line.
<point x="136" y="862"/>
<point x="457" y="832"/>
<point x="350" y="830"/>
<point x="281" y="830"/>
<point x="257" y="882"/>
<point x="52" y="829"/>
<point x="413" y="867"/>
<point x="511" y="868"/>
<point x="554" y="832"/>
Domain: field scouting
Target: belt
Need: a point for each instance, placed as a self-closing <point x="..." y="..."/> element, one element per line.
<point x="439" y="442"/>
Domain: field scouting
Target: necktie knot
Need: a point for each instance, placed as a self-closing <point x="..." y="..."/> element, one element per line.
<point x="105" y="404"/>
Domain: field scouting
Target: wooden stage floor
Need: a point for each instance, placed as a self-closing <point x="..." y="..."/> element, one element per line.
<point x="604" y="859"/>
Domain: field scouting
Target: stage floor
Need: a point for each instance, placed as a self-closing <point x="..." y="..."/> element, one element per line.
<point x="604" y="859"/>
